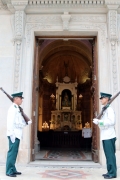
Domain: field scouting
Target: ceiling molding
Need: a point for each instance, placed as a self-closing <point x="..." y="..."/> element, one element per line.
<point x="49" y="6"/>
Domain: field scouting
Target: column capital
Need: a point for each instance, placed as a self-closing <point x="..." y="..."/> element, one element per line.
<point x="15" y="5"/>
<point x="19" y="5"/>
<point x="112" y="2"/>
<point x="112" y="7"/>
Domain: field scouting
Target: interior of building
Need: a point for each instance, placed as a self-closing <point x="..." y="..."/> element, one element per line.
<point x="65" y="99"/>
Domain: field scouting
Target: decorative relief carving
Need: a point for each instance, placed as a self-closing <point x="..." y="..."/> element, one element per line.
<point x="112" y="24"/>
<point x="65" y="19"/>
<point x="88" y="18"/>
<point x="113" y="36"/>
<point x="35" y="26"/>
<point x="118" y="28"/>
<point x="65" y="2"/>
<point x="19" y="33"/>
<point x="114" y="64"/>
<point x="17" y="65"/>
<point x="20" y="2"/>
<point x="74" y="18"/>
<point x="101" y="27"/>
<point x="19" y="17"/>
<point x="43" y="18"/>
<point x="112" y="2"/>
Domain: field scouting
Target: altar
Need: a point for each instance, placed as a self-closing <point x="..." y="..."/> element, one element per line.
<point x="65" y="115"/>
<point x="66" y="120"/>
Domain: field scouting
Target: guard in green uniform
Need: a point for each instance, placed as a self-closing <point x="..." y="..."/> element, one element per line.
<point x="108" y="136"/>
<point x="15" y="124"/>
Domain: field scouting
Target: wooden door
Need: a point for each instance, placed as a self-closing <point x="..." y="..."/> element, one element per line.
<point x="95" y="99"/>
<point x="35" y="99"/>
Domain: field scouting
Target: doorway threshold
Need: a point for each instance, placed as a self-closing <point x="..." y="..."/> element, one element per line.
<point x="65" y="164"/>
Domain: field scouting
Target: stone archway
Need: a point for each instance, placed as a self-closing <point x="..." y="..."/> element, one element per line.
<point x="47" y="56"/>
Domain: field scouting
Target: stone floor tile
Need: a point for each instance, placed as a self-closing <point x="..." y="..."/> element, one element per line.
<point x="56" y="173"/>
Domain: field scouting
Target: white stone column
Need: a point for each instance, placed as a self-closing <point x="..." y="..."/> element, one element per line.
<point x="17" y="7"/>
<point x="112" y="32"/>
<point x="19" y="29"/>
<point x="114" y="63"/>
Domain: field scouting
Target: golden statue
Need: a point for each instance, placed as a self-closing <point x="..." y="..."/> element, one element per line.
<point x="66" y="102"/>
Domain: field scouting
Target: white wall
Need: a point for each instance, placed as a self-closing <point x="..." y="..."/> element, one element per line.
<point x="6" y="77"/>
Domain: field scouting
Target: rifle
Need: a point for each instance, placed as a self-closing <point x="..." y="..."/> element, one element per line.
<point x="107" y="105"/>
<point x="21" y="110"/>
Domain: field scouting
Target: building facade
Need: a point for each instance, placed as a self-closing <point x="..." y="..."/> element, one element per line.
<point x="24" y="24"/>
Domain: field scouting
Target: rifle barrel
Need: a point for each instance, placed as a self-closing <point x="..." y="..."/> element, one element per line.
<point x="23" y="114"/>
<point x="110" y="101"/>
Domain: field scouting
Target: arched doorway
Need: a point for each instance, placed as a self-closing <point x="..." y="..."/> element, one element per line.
<point x="56" y="60"/>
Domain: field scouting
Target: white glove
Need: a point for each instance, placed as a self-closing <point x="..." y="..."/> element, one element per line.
<point x="12" y="137"/>
<point x="30" y="122"/>
<point x="95" y="121"/>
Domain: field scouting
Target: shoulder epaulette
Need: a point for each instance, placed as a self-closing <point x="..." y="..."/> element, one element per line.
<point x="15" y="106"/>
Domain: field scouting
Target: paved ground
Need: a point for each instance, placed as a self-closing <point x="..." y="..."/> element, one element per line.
<point x="47" y="170"/>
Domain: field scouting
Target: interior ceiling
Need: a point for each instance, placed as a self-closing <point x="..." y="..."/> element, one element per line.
<point x="71" y="58"/>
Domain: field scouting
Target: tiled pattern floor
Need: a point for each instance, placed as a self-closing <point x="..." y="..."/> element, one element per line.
<point x="41" y="172"/>
<point x="66" y="174"/>
<point x="64" y="155"/>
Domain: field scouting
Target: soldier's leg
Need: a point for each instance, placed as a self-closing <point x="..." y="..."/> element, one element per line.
<point x="109" y="146"/>
<point x="105" y="152"/>
<point x="11" y="156"/>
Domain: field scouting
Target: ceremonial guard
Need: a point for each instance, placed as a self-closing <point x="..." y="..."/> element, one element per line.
<point x="108" y="135"/>
<point x="15" y="124"/>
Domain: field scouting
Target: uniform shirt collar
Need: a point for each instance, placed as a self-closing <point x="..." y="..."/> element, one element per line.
<point x="15" y="105"/>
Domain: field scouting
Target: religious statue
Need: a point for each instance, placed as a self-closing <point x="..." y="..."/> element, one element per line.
<point x="52" y="99"/>
<point x="87" y="125"/>
<point x="66" y="102"/>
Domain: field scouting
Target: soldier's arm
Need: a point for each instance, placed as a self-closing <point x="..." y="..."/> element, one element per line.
<point x="10" y="120"/>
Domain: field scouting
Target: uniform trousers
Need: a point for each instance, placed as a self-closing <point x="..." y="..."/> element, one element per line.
<point x="11" y="156"/>
<point x="109" y="150"/>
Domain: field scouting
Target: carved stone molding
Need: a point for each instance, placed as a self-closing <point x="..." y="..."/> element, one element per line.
<point x="114" y="64"/>
<point x="112" y="2"/>
<point x="32" y="4"/>
<point x="88" y="18"/>
<point x="17" y="65"/>
<point x="35" y="27"/>
<point x="14" y="5"/>
<point x="65" y="19"/>
<point x="43" y="18"/>
<point x="113" y="37"/>
<point x="118" y="28"/>
<point x="19" y="4"/>
<point x="19" y="23"/>
<point x="100" y="27"/>
<point x="112" y="24"/>
<point x="5" y="1"/>
<point x="74" y="18"/>
<point x="18" y="38"/>
<point x="3" y="6"/>
<point x="65" y="2"/>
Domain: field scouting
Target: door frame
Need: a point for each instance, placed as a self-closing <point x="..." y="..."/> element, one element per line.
<point x="35" y="92"/>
